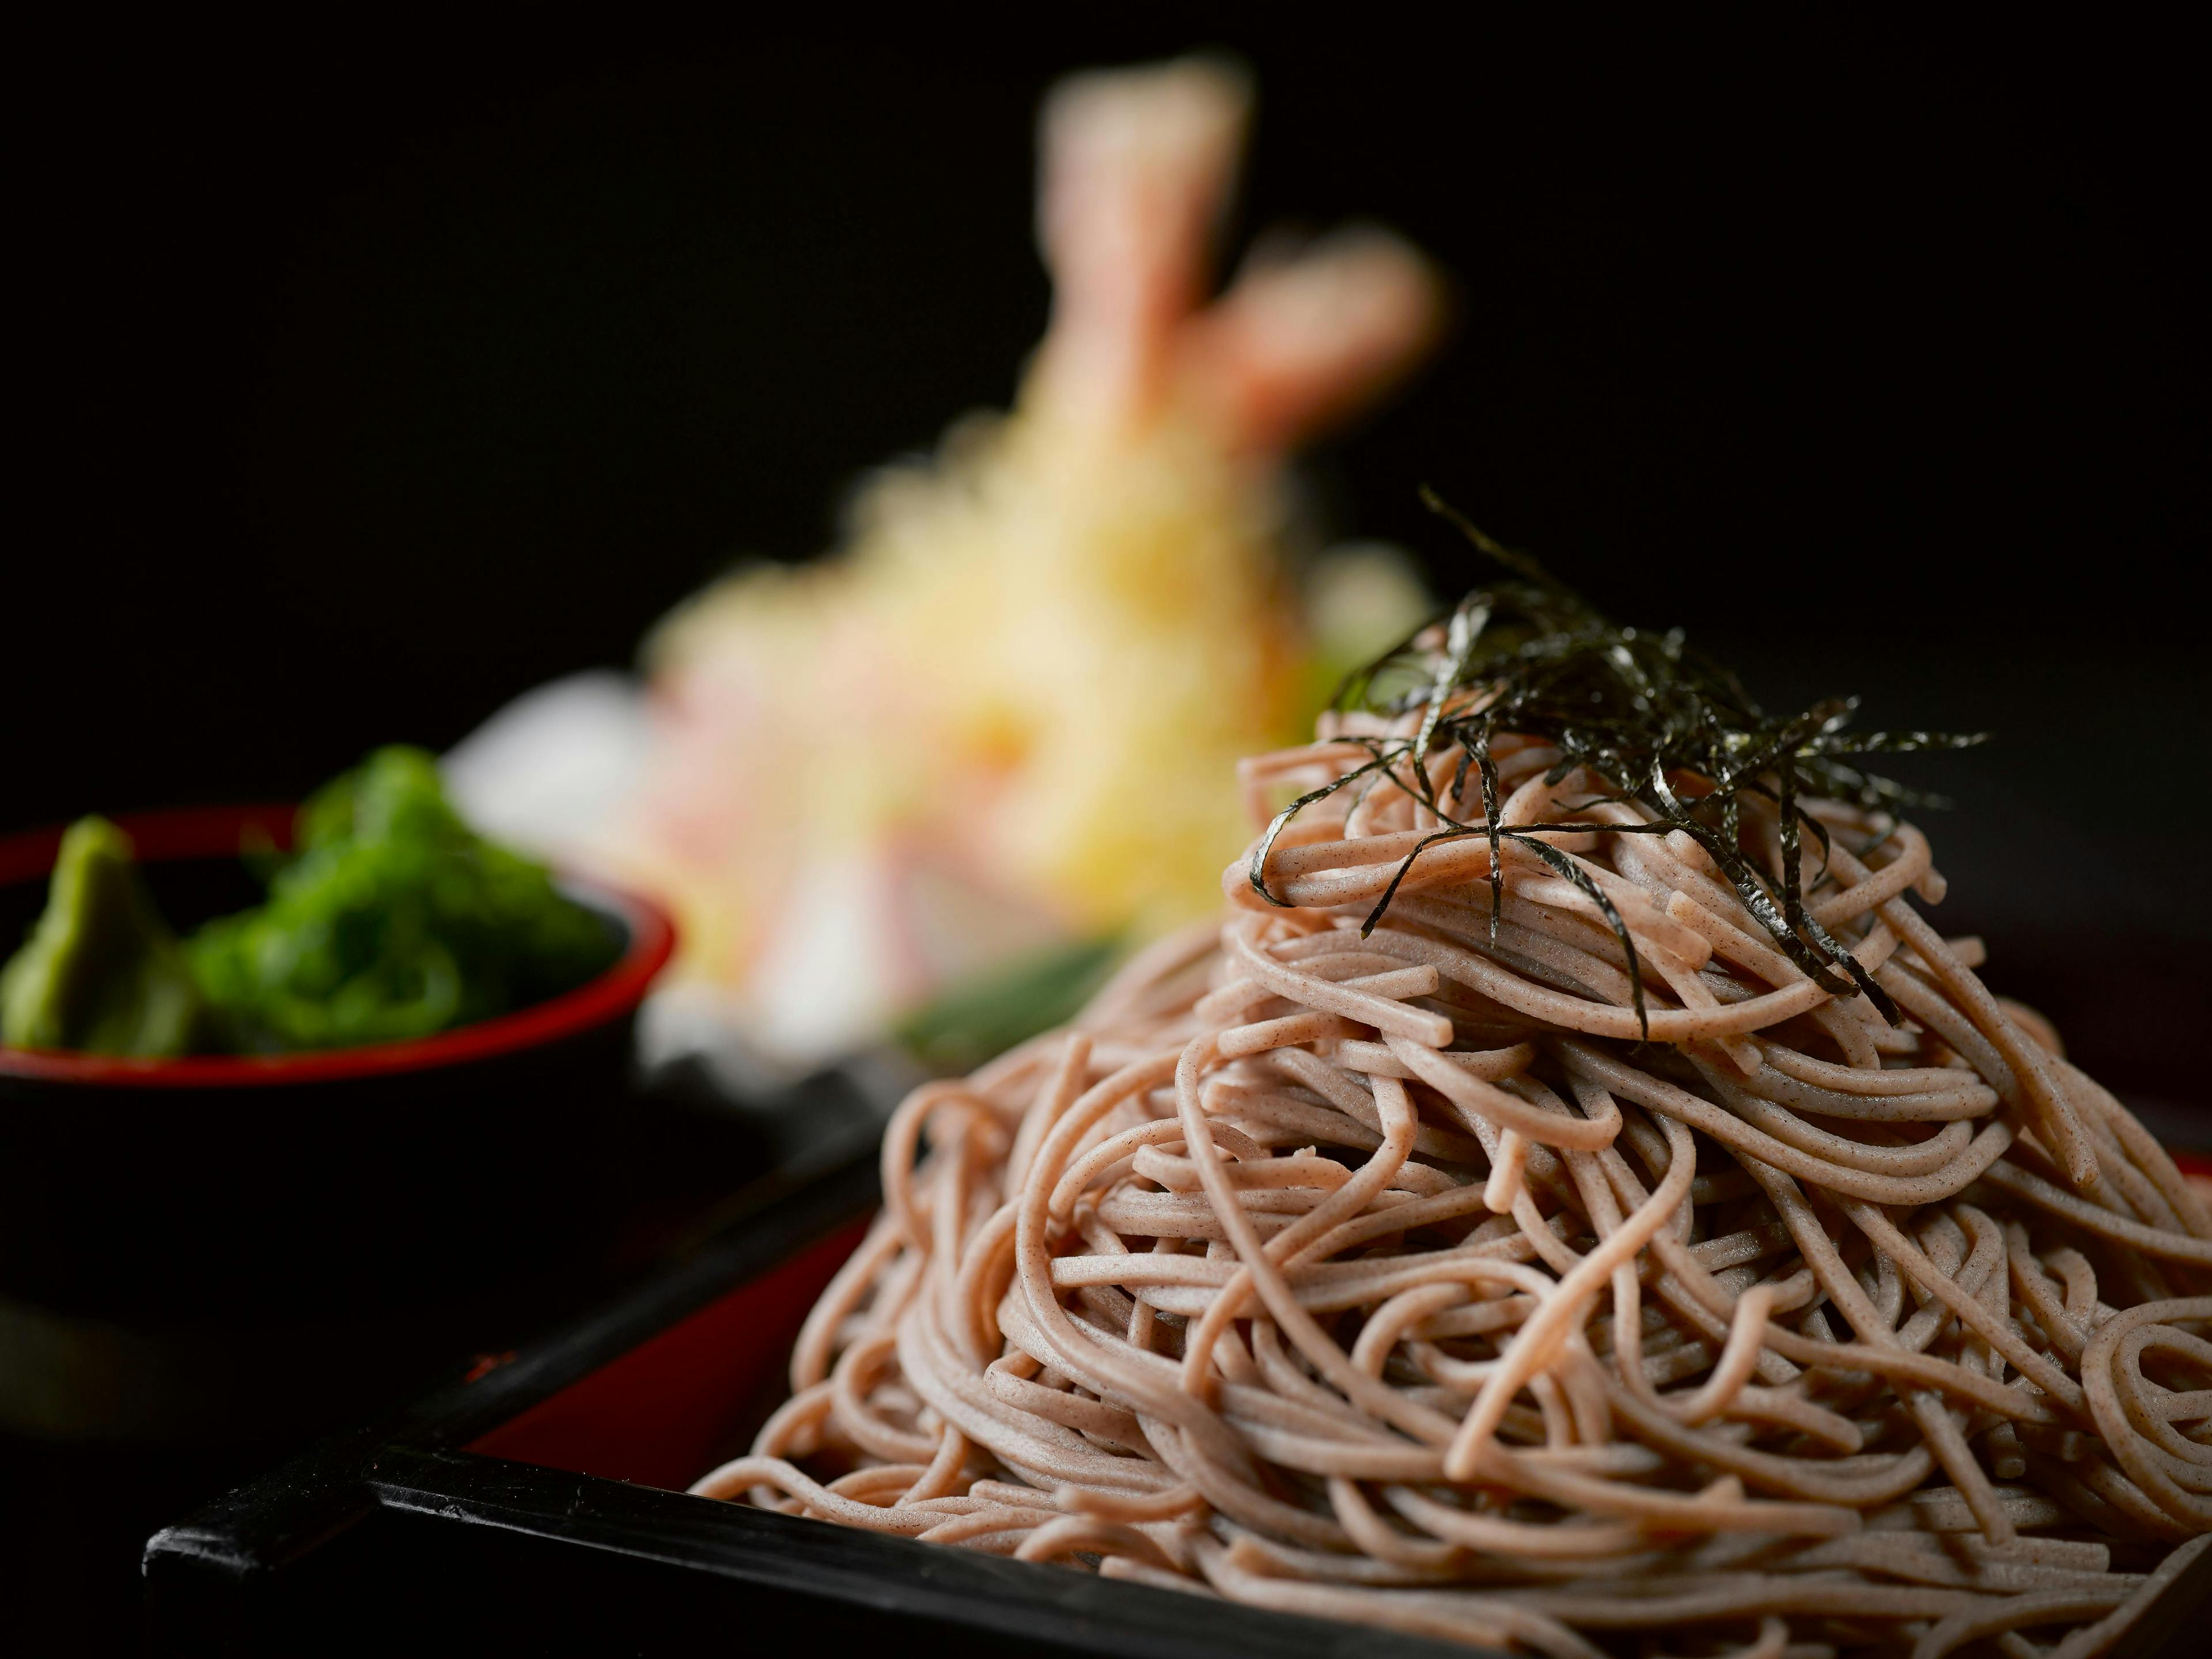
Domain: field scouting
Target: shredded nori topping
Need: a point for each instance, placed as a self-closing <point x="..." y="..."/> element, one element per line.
<point x="1664" y="725"/>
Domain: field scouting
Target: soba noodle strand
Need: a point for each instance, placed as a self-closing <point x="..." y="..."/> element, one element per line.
<point x="1397" y="1279"/>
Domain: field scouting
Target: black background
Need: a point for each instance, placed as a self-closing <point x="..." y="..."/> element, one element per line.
<point x="364" y="381"/>
<point x="371" y="382"/>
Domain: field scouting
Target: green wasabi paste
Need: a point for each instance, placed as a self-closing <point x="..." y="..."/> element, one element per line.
<point x="100" y="973"/>
<point x="391" y="919"/>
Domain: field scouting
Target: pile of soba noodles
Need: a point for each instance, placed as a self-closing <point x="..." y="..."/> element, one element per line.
<point x="1572" y="1201"/>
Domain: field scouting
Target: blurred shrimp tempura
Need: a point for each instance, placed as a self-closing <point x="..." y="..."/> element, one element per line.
<point x="1007" y="714"/>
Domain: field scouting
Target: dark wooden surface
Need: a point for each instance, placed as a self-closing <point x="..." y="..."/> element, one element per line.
<point x="75" y="1514"/>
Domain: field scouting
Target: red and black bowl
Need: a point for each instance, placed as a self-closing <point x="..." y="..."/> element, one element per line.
<point x="247" y="1188"/>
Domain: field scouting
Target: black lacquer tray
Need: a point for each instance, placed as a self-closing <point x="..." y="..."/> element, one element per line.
<point x="536" y="1504"/>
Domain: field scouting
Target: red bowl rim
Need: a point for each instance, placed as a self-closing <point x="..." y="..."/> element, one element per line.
<point x="214" y="832"/>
